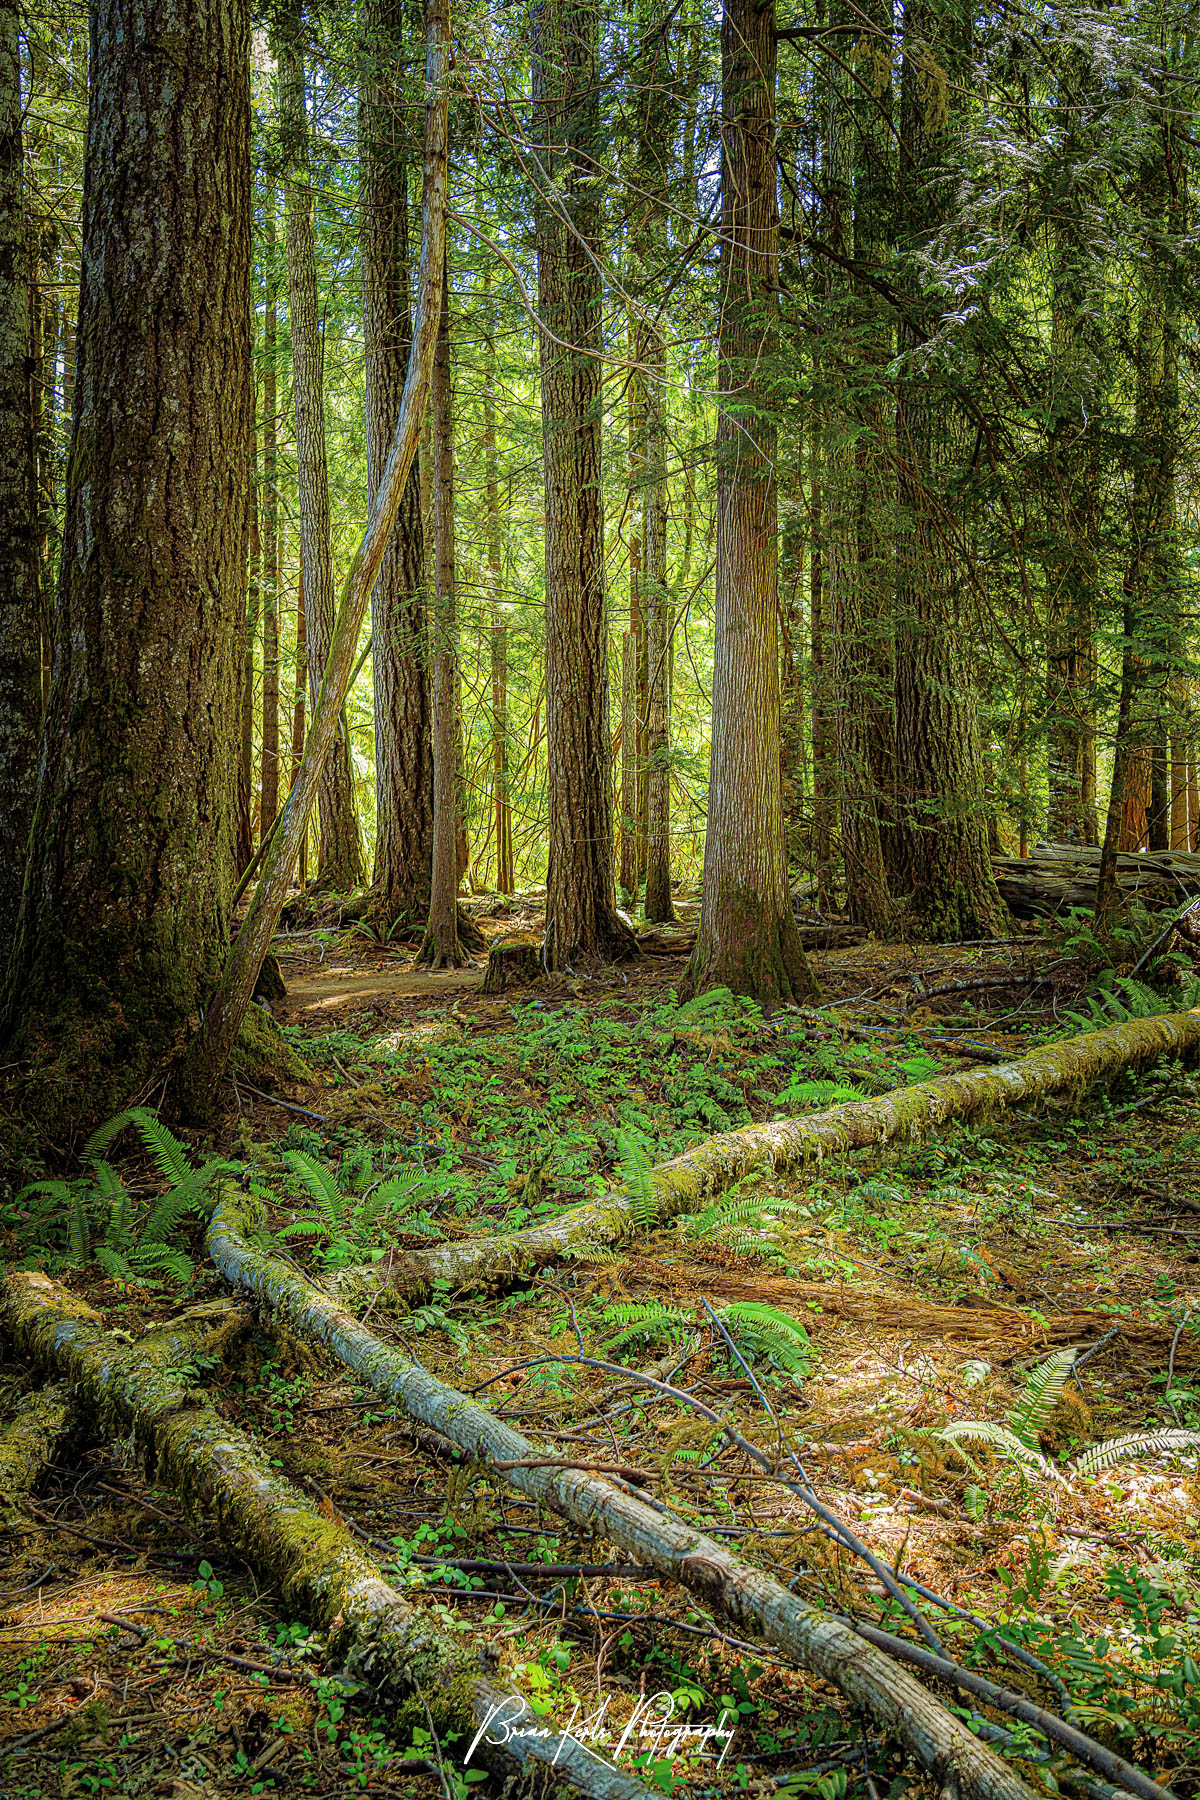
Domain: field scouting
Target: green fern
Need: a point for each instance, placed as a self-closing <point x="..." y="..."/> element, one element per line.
<point x="636" y="1168"/>
<point x="1137" y="1443"/>
<point x="746" y="1223"/>
<point x="818" y="1093"/>
<point x="327" y="1196"/>
<point x="171" y="1158"/>
<point x="1043" y="1386"/>
<point x="644" y="1321"/>
<point x="762" y="1331"/>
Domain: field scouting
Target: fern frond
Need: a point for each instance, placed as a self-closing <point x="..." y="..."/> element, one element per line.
<point x="304" y="1228"/>
<point x="54" y="1190"/>
<point x="117" y="1235"/>
<point x="115" y="1266"/>
<point x="765" y="1331"/>
<point x="644" y="1321"/>
<point x="998" y="1437"/>
<point x="79" y="1236"/>
<point x="170" y="1157"/>
<point x="1043" y="1386"/>
<point x="635" y="1173"/>
<point x="330" y="1200"/>
<point x="162" y="1256"/>
<point x="1137" y="1443"/>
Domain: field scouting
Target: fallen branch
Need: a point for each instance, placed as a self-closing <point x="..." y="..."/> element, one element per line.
<point x="681" y="1185"/>
<point x="384" y="1642"/>
<point x="654" y="1535"/>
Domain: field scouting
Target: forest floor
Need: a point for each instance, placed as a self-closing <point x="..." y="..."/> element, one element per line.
<point x="138" y="1657"/>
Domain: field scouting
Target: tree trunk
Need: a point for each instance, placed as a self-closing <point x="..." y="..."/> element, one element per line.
<point x="747" y="940"/>
<point x="441" y="948"/>
<point x="498" y="624"/>
<point x="209" y="1052"/>
<point x="245" y="783"/>
<point x="341" y="864"/>
<point x="849" y="585"/>
<point x="400" y="883"/>
<point x="124" y="915"/>
<point x="269" y="778"/>
<point x="20" y="617"/>
<point x="947" y="872"/>
<point x="582" y="924"/>
<point x="299" y="702"/>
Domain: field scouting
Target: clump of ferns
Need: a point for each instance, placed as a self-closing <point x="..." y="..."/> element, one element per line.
<point x="346" y="1221"/>
<point x="99" y="1218"/>
<point x="1016" y="1439"/>
<point x="747" y="1224"/>
<point x="761" y="1333"/>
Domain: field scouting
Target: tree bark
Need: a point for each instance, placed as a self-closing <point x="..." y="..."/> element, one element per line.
<point x="747" y="939"/>
<point x="20" y="613"/>
<point x="124" y="916"/>
<point x="245" y="788"/>
<point x="400" y="882"/>
<point x="341" y="861"/>
<point x="497" y="621"/>
<point x="209" y="1052"/>
<point x="943" y="852"/>
<point x="299" y="704"/>
<point x="582" y="923"/>
<point x="269" y="769"/>
<point x="441" y="948"/>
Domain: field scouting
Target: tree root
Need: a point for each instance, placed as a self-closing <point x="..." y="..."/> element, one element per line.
<point x="384" y="1642"/>
<point x="870" y="1679"/>
<point x="714" y="1166"/>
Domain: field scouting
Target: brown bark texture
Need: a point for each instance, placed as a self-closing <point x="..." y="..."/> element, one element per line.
<point x="341" y="857"/>
<point x="268" y="804"/>
<point x="497" y="621"/>
<point x="124" y="917"/>
<point x="20" y="623"/>
<point x="747" y="941"/>
<point x="399" y="626"/>
<point x="582" y="924"/>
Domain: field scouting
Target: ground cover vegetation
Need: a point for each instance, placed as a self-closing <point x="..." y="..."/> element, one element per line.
<point x="599" y="922"/>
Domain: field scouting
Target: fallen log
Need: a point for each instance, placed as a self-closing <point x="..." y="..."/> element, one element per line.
<point x="30" y="1443"/>
<point x="681" y="1185"/>
<point x="1058" y="877"/>
<point x="384" y="1642"/>
<point x="658" y="1538"/>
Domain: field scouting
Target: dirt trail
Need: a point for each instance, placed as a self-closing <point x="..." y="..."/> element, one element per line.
<point x="316" y="996"/>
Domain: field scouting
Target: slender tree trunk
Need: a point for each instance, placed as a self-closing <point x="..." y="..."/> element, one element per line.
<point x="441" y="948"/>
<point x="943" y="850"/>
<point x="341" y="866"/>
<point x="1179" y="800"/>
<point x="269" y="776"/>
<point x="628" y="788"/>
<point x="125" y="910"/>
<point x="20" y="620"/>
<point x="299" y="701"/>
<point x="497" y="620"/>
<point x="748" y="940"/>
<point x="400" y="890"/>
<point x="582" y="923"/>
<point x="245" y="780"/>
<point x="823" y="728"/>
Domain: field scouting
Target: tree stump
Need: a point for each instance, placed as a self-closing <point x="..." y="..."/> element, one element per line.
<point x="509" y="963"/>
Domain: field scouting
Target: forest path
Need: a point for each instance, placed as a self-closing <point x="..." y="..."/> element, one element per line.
<point x="318" y="994"/>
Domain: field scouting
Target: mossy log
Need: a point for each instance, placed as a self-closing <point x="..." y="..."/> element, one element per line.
<point x="322" y="1573"/>
<point x="1057" y="877"/>
<point x="30" y="1443"/>
<point x="682" y="1185"/>
<point x="753" y="1601"/>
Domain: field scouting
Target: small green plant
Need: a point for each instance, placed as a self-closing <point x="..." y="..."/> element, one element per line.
<point x="207" y="1583"/>
<point x="98" y="1217"/>
<point x="761" y="1332"/>
<point x="348" y="1221"/>
<point x="1016" y="1440"/>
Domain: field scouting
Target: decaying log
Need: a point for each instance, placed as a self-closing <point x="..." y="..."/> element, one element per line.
<point x="680" y="1186"/>
<point x="1058" y="877"/>
<point x="30" y="1443"/>
<point x="658" y="1538"/>
<point x="321" y="1571"/>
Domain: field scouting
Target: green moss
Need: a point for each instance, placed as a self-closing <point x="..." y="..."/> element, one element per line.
<point x="263" y="1055"/>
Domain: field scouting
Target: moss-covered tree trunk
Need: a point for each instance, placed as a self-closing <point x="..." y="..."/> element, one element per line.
<point x="399" y="625"/>
<point x="341" y="856"/>
<point x="748" y="940"/>
<point x="582" y="923"/>
<point x="20" y="624"/>
<point x="943" y="861"/>
<point x="124" y="917"/>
